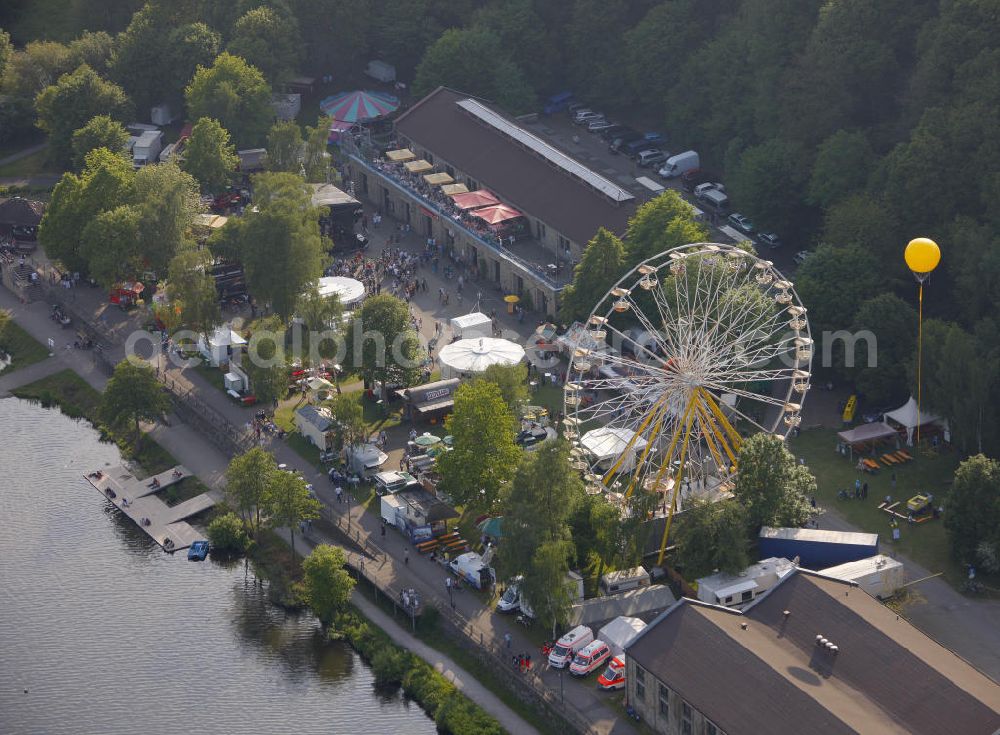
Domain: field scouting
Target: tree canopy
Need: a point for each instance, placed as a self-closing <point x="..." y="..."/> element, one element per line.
<point x="284" y="147"/>
<point x="268" y="39"/>
<point x="101" y="131"/>
<point x="512" y="380"/>
<point x="771" y="485"/>
<point x="600" y="267"/>
<point x="327" y="584"/>
<point x="289" y="502"/>
<point x="234" y="93"/>
<point x="209" y="155"/>
<point x="972" y="512"/>
<point x="383" y="343"/>
<point x="132" y="395"/>
<point x="712" y="537"/>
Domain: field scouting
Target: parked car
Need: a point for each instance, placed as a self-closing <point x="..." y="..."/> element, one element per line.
<point x="801" y="257"/>
<point x="597" y="126"/>
<point x="572" y="107"/>
<point x="531" y="438"/>
<point x="613" y="132"/>
<point x="637" y="145"/>
<point x="701" y="189"/>
<point x="590" y="658"/>
<point x="741" y="222"/>
<point x="198" y="551"/>
<point x="651" y="157"/>
<point x="769" y="240"/>
<point x="652" y="137"/>
<point x="508" y="600"/>
<point x="613" y="676"/>
<point x="586" y="116"/>
<point x="620" y="141"/>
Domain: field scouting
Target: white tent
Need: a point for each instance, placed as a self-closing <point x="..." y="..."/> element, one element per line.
<point x="220" y="345"/>
<point x="620" y="632"/>
<point x="909" y="418"/>
<point x="349" y="290"/>
<point x="471" y="325"/>
<point x="609" y="443"/>
<point x="365" y="458"/>
<point x="471" y="356"/>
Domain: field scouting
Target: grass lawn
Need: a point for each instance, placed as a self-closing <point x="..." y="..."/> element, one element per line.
<point x="548" y="396"/>
<point x="67" y="390"/>
<point x="36" y="163"/>
<point x="925" y="543"/>
<point x="23" y="348"/>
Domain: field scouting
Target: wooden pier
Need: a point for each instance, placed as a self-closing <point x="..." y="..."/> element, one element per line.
<point x="137" y="499"/>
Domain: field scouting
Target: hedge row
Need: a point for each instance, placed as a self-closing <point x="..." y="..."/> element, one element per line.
<point x="454" y="713"/>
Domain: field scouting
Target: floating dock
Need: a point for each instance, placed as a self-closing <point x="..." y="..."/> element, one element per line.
<point x="137" y="499"/>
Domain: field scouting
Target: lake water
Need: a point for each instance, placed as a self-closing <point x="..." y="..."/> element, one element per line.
<point x="108" y="634"/>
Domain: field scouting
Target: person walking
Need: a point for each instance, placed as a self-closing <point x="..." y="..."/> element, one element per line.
<point x="864" y="491"/>
<point x="406" y="557"/>
<point x="340" y="494"/>
<point x="507" y="639"/>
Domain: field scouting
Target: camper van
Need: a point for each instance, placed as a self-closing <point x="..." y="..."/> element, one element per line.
<point x="624" y="580"/>
<point x="569" y="645"/>
<point x="470" y="567"/>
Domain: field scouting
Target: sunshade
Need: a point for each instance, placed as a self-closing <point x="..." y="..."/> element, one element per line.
<point x="418" y="167"/>
<point x="359" y="105"/>
<point x="350" y="290"/>
<point x="450" y="189"/>
<point x="496" y="214"/>
<point x="400" y="155"/>
<point x="426" y="440"/>
<point x="475" y="355"/>
<point x="438" y="178"/>
<point x="474" y="199"/>
<point x="511" y="298"/>
<point x="492" y="527"/>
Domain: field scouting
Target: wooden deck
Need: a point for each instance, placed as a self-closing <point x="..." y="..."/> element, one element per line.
<point x="137" y="499"/>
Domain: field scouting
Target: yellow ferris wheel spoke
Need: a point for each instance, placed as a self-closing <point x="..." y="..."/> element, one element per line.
<point x="649" y="446"/>
<point x="709" y="432"/>
<point x="631" y="442"/>
<point x="734" y="435"/>
<point x="688" y="421"/>
<point x="713" y="432"/>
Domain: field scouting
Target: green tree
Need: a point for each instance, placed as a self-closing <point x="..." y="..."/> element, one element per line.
<point x="328" y="585"/>
<point x="521" y="34"/>
<point x="661" y="223"/>
<point x="473" y="60"/>
<point x="269" y="40"/>
<point x="350" y="428"/>
<point x="335" y="33"/>
<point x="106" y="182"/>
<point x="833" y="282"/>
<point x="602" y="264"/>
<point x="315" y="156"/>
<point x="383" y="343"/>
<point x="100" y="131"/>
<point x="192" y="289"/>
<point x="472" y="477"/>
<point x="322" y="323"/>
<point x="289" y="503"/>
<point x="284" y="147"/>
<point x="132" y="395"/>
<point x="843" y="163"/>
<point x="512" y="380"/>
<point x="37" y="66"/>
<point x="974" y="262"/>
<point x="768" y="183"/>
<point x="228" y="533"/>
<point x="110" y="243"/>
<point x="248" y="482"/>
<point x="93" y="49"/>
<point x="771" y="485"/>
<point x="209" y="155"/>
<point x="880" y="370"/>
<point x="545" y="584"/>
<point x="865" y="222"/>
<point x="75" y="98"/>
<point x="267" y="366"/>
<point x="6" y="51"/>
<point x="234" y="93"/>
<point x="712" y="537"/>
<point x="972" y="511"/>
<point x="594" y="34"/>
<point x="168" y="202"/>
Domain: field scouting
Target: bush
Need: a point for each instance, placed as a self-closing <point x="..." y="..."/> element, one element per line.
<point x="229" y="533"/>
<point x="390" y="665"/>
<point x="461" y="716"/>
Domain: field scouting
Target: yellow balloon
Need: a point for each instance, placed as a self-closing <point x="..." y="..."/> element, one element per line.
<point x="922" y="255"/>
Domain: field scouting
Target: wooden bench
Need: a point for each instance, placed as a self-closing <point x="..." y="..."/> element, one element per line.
<point x="425" y="546"/>
<point x="906" y="456"/>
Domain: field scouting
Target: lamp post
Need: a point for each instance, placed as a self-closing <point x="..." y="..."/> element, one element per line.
<point x="922" y="257"/>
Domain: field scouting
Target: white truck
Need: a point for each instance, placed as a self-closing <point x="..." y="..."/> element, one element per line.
<point x="380" y="70"/>
<point x="880" y="576"/>
<point x="471" y="568"/>
<point x="680" y="164"/>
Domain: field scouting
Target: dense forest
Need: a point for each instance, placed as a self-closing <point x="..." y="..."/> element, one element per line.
<point x="847" y="126"/>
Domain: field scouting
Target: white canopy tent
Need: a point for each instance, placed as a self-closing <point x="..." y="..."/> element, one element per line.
<point x="349" y="290"/>
<point x="472" y="325"/>
<point x="220" y="345"/>
<point x="620" y="632"/>
<point x="909" y="417"/>
<point x="471" y="356"/>
<point x="608" y="443"/>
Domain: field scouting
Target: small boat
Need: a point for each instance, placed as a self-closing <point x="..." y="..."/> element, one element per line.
<point x="198" y="551"/>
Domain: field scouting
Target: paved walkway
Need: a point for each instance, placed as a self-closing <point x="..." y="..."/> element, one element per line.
<point x="11" y="380"/>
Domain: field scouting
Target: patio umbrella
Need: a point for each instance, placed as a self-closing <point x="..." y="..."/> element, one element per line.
<point x="450" y="189"/>
<point x="448" y="440"/>
<point x="474" y="199"/>
<point x="426" y="440"/>
<point x="400" y="155"/>
<point x="496" y="214"/>
<point x="359" y="106"/>
<point x="492" y="527"/>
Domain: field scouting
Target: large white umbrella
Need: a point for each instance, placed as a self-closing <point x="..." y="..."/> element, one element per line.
<point x="469" y="356"/>
<point x="349" y="290"/>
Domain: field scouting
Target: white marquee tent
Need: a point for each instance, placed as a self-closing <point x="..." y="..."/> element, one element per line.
<point x="909" y="418"/>
<point x="471" y="356"/>
<point x="471" y="325"/>
<point x="608" y="443"/>
<point x="349" y="290"/>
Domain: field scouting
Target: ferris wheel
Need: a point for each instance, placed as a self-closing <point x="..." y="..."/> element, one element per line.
<point x="689" y="352"/>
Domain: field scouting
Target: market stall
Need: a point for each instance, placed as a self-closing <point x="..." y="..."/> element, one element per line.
<point x="473" y="356"/>
<point x="350" y="291"/>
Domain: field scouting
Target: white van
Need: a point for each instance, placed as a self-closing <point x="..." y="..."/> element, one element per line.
<point x="509" y="600"/>
<point x="680" y="164"/>
<point x="590" y="658"/>
<point x="470" y="567"/>
<point x="569" y="645"/>
<point x="624" y="580"/>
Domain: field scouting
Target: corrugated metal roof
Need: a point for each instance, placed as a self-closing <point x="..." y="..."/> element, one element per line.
<point x="820" y="535"/>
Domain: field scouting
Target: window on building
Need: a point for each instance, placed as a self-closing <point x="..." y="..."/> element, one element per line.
<point x="640" y="683"/>
<point x="747" y="596"/>
<point x="564" y="244"/>
<point x="664" y="702"/>
<point x="539" y="230"/>
<point x="685" y="719"/>
<point x="450" y="171"/>
<point x="711" y="729"/>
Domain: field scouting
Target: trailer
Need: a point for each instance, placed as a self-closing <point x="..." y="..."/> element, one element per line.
<point x="815" y="548"/>
<point x="880" y="576"/>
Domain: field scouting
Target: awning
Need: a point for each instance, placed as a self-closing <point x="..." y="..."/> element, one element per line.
<point x="348" y="290"/>
<point x="438" y="178"/>
<point x="474" y="199"/>
<point x="497" y="213"/>
<point x="866" y="433"/>
<point x="418" y="167"/>
<point x="400" y="155"/>
<point x="450" y="189"/>
<point x="433" y="406"/>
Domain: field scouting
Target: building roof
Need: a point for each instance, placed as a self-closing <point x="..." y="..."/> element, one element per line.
<point x="21" y="211"/>
<point x="519" y="167"/>
<point x="318" y="417"/>
<point x="887" y="677"/>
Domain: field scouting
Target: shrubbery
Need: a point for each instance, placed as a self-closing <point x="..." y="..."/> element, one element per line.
<point x="392" y="665"/>
<point x="228" y="533"/>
